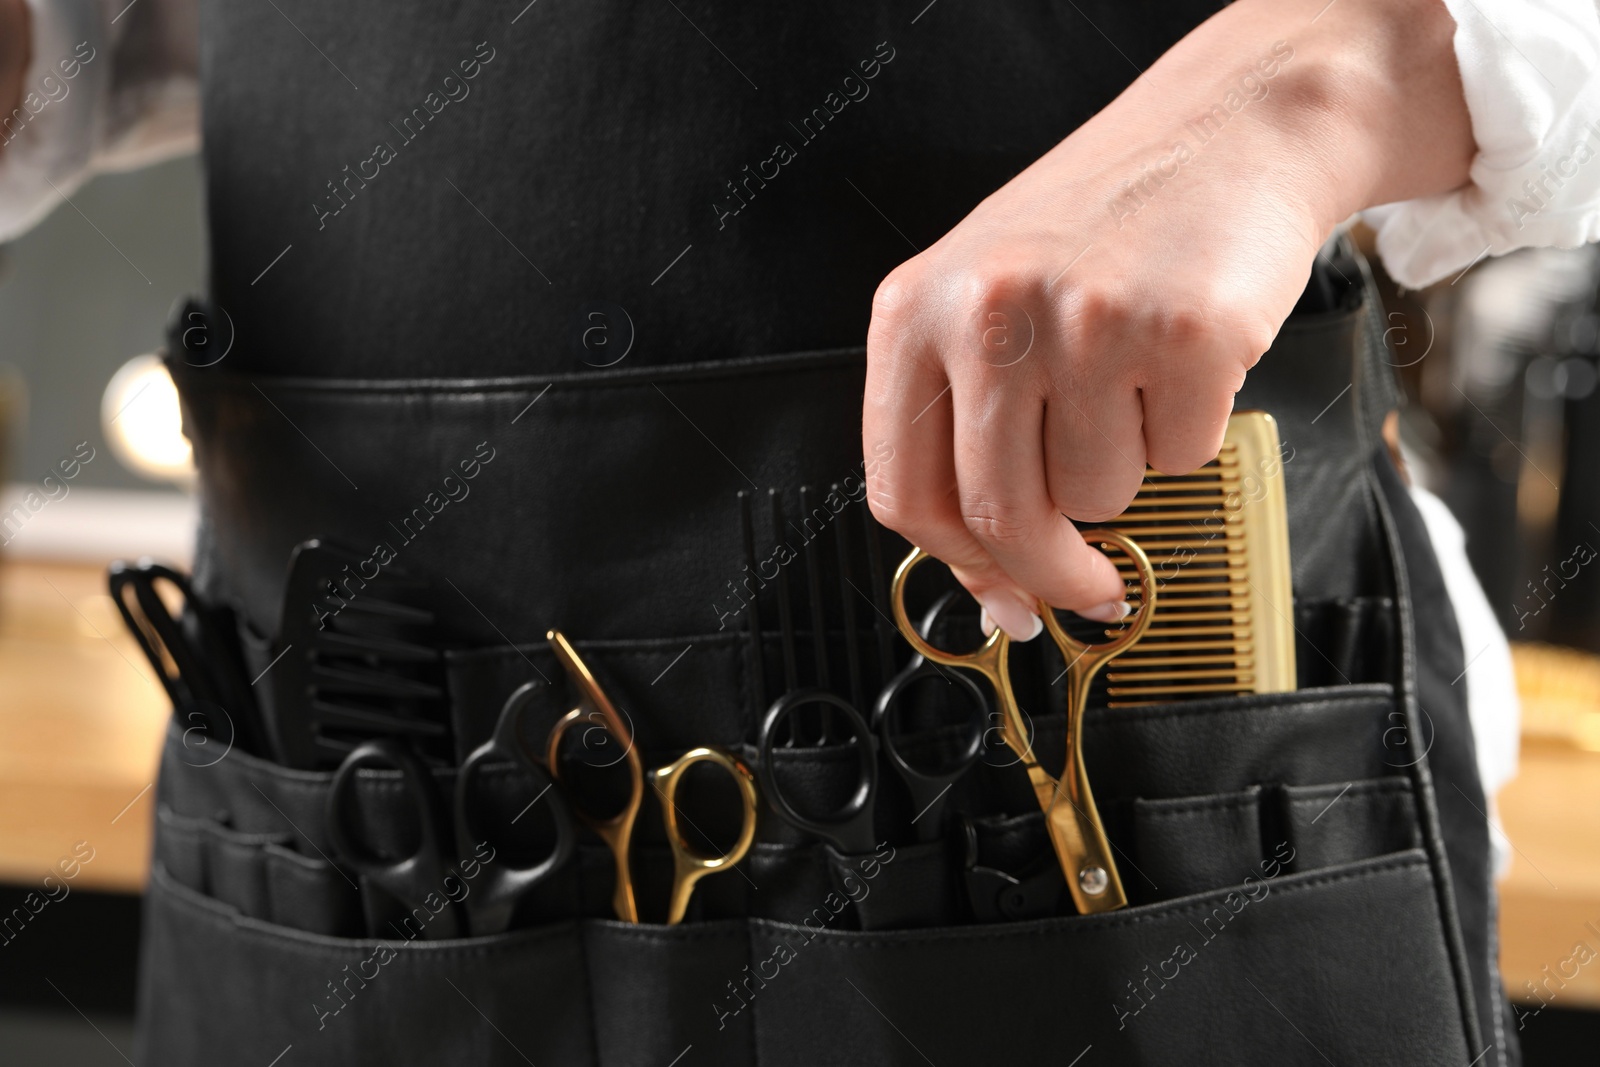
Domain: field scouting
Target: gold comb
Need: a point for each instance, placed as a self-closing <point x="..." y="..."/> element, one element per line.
<point x="1219" y="541"/>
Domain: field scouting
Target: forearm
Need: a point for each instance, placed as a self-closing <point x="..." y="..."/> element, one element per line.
<point x="1360" y="104"/>
<point x="1153" y="255"/>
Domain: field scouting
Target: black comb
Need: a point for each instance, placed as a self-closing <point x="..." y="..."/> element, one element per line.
<point x="359" y="659"/>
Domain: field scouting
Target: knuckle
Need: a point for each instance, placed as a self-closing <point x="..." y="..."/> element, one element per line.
<point x="1187" y="326"/>
<point x="1256" y="334"/>
<point x="916" y="521"/>
<point x="996" y="523"/>
<point x="887" y="509"/>
<point x="1102" y="308"/>
<point x="989" y="285"/>
<point x="1236" y="325"/>
<point x="1006" y="314"/>
<point x="895" y="295"/>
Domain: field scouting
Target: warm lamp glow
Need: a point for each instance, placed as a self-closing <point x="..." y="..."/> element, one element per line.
<point x="144" y="423"/>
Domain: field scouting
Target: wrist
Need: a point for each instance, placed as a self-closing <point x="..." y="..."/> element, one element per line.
<point x="1357" y="105"/>
<point x="1382" y="102"/>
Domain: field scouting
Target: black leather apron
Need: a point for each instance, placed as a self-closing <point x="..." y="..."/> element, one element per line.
<point x="417" y="215"/>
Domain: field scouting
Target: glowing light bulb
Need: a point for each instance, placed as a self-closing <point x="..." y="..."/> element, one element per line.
<point x="144" y="423"/>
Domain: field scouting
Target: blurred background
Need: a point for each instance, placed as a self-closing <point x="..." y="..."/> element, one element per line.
<point x="1504" y="424"/>
<point x="81" y="714"/>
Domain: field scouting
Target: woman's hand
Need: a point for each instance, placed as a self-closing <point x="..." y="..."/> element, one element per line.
<point x="1099" y="311"/>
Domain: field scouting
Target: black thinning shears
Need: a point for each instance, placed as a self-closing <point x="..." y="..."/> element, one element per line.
<point x="850" y="827"/>
<point x="930" y="782"/>
<point x="447" y="836"/>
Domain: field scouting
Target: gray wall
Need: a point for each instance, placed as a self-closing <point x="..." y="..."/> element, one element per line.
<point x="72" y="309"/>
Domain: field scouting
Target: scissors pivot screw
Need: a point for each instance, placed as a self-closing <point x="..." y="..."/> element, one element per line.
<point x="1093" y="880"/>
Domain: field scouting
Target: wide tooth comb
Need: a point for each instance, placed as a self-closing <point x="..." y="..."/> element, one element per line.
<point x="375" y="722"/>
<point x="331" y="677"/>
<point x="360" y="659"/>
<point x="391" y="649"/>
<point x="1218" y="539"/>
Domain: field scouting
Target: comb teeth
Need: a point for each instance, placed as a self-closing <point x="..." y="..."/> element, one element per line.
<point x="362" y="660"/>
<point x="375" y="604"/>
<point x="1218" y="541"/>
<point x="389" y="649"/>
<point x="338" y="676"/>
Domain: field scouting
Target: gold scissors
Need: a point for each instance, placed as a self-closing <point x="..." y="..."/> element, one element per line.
<point x="595" y="711"/>
<point x="1070" y="813"/>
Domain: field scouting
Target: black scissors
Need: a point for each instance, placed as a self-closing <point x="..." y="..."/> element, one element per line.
<point x="930" y="786"/>
<point x="849" y="828"/>
<point x="444" y="837"/>
<point x="199" y="674"/>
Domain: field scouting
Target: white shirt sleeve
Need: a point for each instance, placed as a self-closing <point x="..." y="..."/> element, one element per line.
<point x="1493" y="705"/>
<point x="111" y="85"/>
<point x="1530" y="70"/>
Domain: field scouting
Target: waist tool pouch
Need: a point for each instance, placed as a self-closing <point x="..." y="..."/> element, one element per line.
<point x="1304" y="889"/>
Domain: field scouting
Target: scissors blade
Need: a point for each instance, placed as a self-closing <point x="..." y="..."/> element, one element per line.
<point x="595" y="706"/>
<point x="1080" y="843"/>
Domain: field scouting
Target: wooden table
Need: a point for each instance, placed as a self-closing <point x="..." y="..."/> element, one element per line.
<point x="81" y="719"/>
<point x="1550" y="898"/>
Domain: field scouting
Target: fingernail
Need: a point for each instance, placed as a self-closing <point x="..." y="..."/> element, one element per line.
<point x="1012" y="615"/>
<point x="1110" y="611"/>
<point x="986" y="622"/>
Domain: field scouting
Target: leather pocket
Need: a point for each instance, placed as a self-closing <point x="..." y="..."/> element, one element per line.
<point x="788" y="879"/>
<point x="216" y="986"/>
<point x="1340" y="823"/>
<point x="661" y="989"/>
<point x="1344" y="640"/>
<point x="257" y="875"/>
<point x="180" y="847"/>
<point x="898" y="886"/>
<point x="309" y="894"/>
<point x="1194" y="844"/>
<point x="1290" y="969"/>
